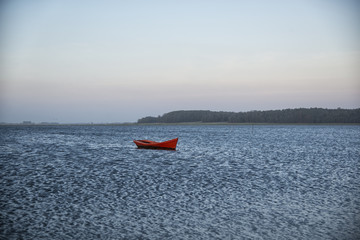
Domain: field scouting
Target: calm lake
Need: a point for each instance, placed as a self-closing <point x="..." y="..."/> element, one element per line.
<point x="223" y="182"/>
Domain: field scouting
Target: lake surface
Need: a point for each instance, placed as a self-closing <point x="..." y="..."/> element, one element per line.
<point x="223" y="182"/>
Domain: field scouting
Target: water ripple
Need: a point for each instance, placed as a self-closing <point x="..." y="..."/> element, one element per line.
<point x="223" y="182"/>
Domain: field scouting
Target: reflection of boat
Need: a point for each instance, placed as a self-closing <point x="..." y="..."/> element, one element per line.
<point x="167" y="145"/>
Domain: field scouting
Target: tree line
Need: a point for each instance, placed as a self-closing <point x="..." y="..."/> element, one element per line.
<point x="298" y="115"/>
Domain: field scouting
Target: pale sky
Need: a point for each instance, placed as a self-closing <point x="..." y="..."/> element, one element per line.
<point x="118" y="61"/>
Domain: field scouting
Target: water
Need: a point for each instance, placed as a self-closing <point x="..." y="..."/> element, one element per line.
<point x="223" y="182"/>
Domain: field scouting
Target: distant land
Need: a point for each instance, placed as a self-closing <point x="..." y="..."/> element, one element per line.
<point x="285" y="116"/>
<point x="297" y="116"/>
<point x="30" y="123"/>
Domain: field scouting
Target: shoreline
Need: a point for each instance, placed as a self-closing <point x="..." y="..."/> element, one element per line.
<point x="172" y="124"/>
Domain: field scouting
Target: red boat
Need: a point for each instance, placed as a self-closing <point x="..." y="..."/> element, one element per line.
<point x="167" y="145"/>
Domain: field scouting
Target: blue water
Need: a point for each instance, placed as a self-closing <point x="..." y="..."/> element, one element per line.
<point x="223" y="182"/>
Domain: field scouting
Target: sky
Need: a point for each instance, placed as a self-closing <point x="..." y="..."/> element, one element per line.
<point x="117" y="61"/>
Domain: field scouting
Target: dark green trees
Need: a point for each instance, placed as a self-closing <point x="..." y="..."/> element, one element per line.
<point x="299" y="115"/>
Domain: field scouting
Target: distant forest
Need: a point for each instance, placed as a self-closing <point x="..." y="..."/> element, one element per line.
<point x="299" y="115"/>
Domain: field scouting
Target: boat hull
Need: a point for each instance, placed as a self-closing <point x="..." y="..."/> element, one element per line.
<point x="147" y="144"/>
